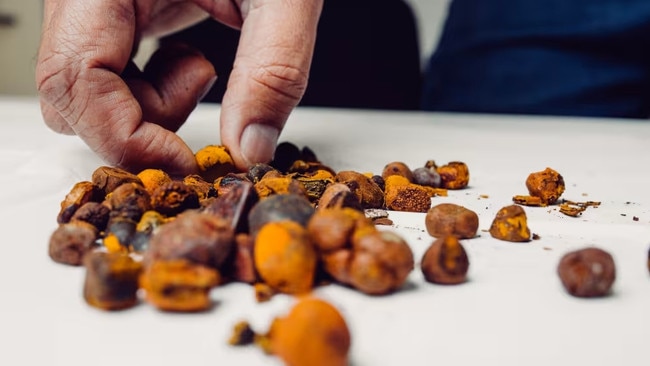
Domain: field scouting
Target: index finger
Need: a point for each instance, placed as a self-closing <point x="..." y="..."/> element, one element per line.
<point x="85" y="45"/>
<point x="269" y="76"/>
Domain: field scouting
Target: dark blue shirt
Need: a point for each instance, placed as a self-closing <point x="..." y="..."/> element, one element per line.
<point x="557" y="57"/>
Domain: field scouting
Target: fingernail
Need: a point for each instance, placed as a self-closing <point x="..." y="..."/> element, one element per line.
<point x="258" y="143"/>
<point x="206" y="88"/>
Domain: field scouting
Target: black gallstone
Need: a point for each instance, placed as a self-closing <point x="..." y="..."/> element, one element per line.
<point x="279" y="207"/>
<point x="123" y="229"/>
<point x="285" y="154"/>
<point x="426" y="177"/>
<point x="257" y="171"/>
<point x="140" y="241"/>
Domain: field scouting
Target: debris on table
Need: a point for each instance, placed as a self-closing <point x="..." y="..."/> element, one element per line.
<point x="575" y="209"/>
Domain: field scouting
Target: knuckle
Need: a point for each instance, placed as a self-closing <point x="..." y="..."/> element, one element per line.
<point x="122" y="12"/>
<point x="286" y="80"/>
<point x="55" y="82"/>
<point x="54" y="121"/>
<point x="63" y="87"/>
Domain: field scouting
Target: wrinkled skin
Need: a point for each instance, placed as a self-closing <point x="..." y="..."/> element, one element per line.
<point x="89" y="86"/>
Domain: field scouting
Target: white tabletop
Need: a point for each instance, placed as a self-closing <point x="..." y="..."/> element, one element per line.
<point x="512" y="311"/>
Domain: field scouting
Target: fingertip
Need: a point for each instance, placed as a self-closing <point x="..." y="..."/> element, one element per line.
<point x="269" y="76"/>
<point x="207" y="87"/>
<point x="257" y="143"/>
<point x="176" y="167"/>
<point x="181" y="168"/>
<point x="153" y="147"/>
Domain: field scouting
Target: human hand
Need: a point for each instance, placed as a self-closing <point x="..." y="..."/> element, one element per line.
<point x="89" y="86"/>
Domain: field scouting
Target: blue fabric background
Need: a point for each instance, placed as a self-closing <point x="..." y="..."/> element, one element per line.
<point x="558" y="57"/>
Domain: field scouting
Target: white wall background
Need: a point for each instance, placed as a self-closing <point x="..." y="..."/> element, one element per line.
<point x="19" y="45"/>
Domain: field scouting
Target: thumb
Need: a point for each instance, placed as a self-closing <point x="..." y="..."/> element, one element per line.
<point x="269" y="76"/>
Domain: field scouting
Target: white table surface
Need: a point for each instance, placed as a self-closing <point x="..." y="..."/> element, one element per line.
<point x="512" y="311"/>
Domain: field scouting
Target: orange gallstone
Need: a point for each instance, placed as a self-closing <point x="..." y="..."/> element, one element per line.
<point x="111" y="281"/>
<point x="397" y="168"/>
<point x="214" y="161"/>
<point x="510" y="224"/>
<point x="173" y="198"/>
<point x="70" y="242"/>
<point x="113" y="245"/>
<point x="106" y="178"/>
<point x="80" y="194"/>
<point x="445" y="261"/>
<point x="129" y="200"/>
<point x="408" y="198"/>
<point x="279" y="185"/>
<point x="331" y="229"/>
<point x="587" y="272"/>
<point x="338" y="195"/>
<point x="454" y="175"/>
<point x="380" y="261"/>
<point x="178" y="285"/>
<point x="203" y="188"/>
<point x="314" y="333"/>
<point x="367" y="191"/>
<point x="451" y="219"/>
<point x="548" y="185"/>
<point x="153" y="178"/>
<point x="285" y="258"/>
